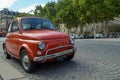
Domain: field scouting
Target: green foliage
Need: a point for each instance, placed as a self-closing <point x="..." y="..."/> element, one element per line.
<point x="79" y="12"/>
<point x="39" y="11"/>
<point x="48" y="11"/>
<point x="24" y="15"/>
<point x="66" y="13"/>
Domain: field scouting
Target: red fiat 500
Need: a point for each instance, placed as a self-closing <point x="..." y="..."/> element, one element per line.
<point x="33" y="39"/>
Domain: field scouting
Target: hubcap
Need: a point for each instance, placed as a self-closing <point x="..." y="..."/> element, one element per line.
<point x="26" y="61"/>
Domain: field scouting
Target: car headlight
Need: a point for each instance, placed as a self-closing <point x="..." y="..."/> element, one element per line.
<point x="72" y="40"/>
<point x="41" y="45"/>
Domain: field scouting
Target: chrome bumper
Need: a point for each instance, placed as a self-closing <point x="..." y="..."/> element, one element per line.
<point x="43" y="58"/>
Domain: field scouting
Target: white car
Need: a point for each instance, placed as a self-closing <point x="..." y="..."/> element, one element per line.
<point x="99" y="35"/>
<point x="75" y="36"/>
<point x="81" y="36"/>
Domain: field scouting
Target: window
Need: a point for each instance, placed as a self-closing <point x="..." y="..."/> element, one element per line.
<point x="37" y="23"/>
<point x="14" y="27"/>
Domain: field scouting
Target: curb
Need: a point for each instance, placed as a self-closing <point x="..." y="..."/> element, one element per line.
<point x="7" y="72"/>
<point x="107" y="39"/>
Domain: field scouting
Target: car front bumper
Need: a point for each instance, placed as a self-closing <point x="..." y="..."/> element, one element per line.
<point x="49" y="56"/>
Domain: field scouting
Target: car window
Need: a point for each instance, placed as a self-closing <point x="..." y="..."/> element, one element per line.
<point x="37" y="23"/>
<point x="46" y="25"/>
<point x="26" y="26"/>
<point x="14" y="27"/>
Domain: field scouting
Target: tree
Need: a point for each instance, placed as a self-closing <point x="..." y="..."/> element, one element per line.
<point x="80" y="12"/>
<point x="24" y="15"/>
<point x="76" y="13"/>
<point x="39" y="11"/>
<point x="94" y="11"/>
<point x="66" y="13"/>
<point x="48" y="11"/>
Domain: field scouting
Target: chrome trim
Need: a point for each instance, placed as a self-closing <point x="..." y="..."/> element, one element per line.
<point x="59" y="53"/>
<point x="36" y="59"/>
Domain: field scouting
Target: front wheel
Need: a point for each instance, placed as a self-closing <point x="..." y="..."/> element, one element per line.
<point x="28" y="65"/>
<point x="68" y="58"/>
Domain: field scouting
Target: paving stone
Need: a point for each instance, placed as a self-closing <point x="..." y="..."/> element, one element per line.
<point x="94" y="60"/>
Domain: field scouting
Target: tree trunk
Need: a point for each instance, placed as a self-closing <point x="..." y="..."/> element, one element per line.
<point x="81" y="29"/>
<point x="107" y="28"/>
<point x="94" y="26"/>
<point x="68" y="31"/>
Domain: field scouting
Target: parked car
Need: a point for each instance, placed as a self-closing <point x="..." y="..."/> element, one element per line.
<point x="33" y="39"/>
<point x="99" y="36"/>
<point x="75" y="36"/>
<point x="82" y="36"/>
<point x="2" y="34"/>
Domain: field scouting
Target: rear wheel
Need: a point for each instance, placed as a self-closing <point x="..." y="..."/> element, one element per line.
<point x="7" y="56"/>
<point x="28" y="65"/>
<point x="68" y="58"/>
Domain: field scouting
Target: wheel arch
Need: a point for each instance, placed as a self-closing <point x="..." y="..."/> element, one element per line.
<point x="27" y="48"/>
<point x="22" y="48"/>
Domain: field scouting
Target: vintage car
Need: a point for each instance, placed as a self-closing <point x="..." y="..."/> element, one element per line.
<point x="36" y="40"/>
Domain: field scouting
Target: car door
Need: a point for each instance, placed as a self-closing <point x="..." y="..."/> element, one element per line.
<point x="12" y="39"/>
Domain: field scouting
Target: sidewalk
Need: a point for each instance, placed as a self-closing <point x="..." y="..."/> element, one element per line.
<point x="104" y="39"/>
<point x="7" y="72"/>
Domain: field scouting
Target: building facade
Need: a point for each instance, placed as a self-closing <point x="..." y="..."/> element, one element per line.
<point x="112" y="29"/>
<point x="5" y="16"/>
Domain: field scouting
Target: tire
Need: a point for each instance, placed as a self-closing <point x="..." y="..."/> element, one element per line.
<point x="68" y="58"/>
<point x="28" y="65"/>
<point x="7" y="56"/>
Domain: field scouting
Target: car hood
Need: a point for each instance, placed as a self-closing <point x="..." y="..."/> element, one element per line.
<point x="43" y="35"/>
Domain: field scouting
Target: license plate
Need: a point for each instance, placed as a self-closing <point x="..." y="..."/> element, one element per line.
<point x="61" y="57"/>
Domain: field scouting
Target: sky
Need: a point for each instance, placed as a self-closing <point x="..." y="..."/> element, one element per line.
<point x="22" y="5"/>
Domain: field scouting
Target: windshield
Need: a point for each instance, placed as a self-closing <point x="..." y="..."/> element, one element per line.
<point x="37" y="23"/>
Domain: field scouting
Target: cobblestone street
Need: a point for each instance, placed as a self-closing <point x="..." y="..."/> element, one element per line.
<point x="94" y="60"/>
